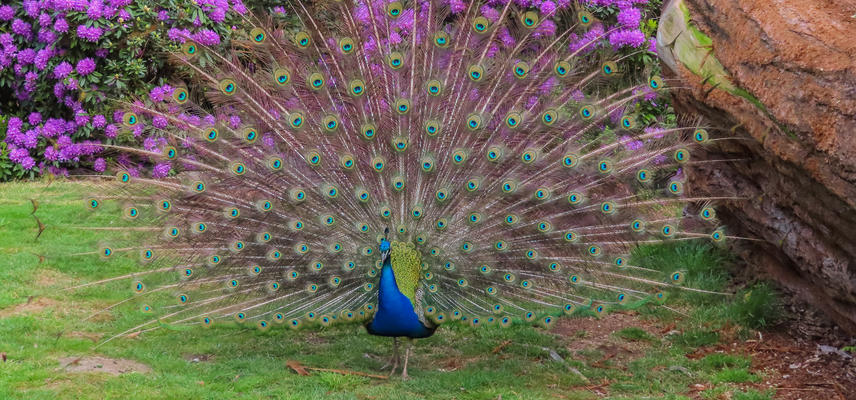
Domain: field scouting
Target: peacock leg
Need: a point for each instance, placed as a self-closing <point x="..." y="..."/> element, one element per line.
<point x="395" y="357"/>
<point x="406" y="356"/>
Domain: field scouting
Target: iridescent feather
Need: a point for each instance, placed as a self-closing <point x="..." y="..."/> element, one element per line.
<point x="490" y="148"/>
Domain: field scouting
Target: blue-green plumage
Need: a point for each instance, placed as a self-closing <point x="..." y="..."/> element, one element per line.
<point x="395" y="315"/>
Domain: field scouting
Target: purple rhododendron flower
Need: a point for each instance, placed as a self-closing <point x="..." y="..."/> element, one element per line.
<point x="630" y="144"/>
<point x="85" y="66"/>
<point x="177" y="35"/>
<point x="61" y="25"/>
<point x="457" y="6"/>
<point x="62" y="70"/>
<point x="99" y="165"/>
<point x="111" y="131"/>
<point x="51" y="154"/>
<point x="53" y="127"/>
<point x="547" y="7"/>
<point x="45" y="19"/>
<point x="91" y="34"/>
<point x="161" y="170"/>
<point x="34" y="118"/>
<point x="99" y="121"/>
<point x="150" y="143"/>
<point x="22" y="156"/>
<point x="206" y="37"/>
<point x="626" y="37"/>
<point x="21" y="28"/>
<point x="629" y="17"/>
<point x="652" y="45"/>
<point x="95" y="9"/>
<point x="26" y="56"/>
<point x="239" y="7"/>
<point x="160" y="122"/>
<point x="7" y="12"/>
<point x="42" y="58"/>
<point x="46" y="36"/>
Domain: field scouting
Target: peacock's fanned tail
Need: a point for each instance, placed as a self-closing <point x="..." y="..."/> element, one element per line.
<point x="504" y="148"/>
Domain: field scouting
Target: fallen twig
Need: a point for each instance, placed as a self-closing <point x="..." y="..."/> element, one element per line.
<point x="302" y="370"/>
<point x="501" y="346"/>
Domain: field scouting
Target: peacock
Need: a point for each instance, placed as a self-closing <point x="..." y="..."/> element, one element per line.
<point x="401" y="165"/>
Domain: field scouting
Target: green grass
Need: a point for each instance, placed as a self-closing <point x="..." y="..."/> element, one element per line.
<point x="239" y="362"/>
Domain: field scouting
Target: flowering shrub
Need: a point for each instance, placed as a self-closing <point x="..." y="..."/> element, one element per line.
<point x="62" y="62"/>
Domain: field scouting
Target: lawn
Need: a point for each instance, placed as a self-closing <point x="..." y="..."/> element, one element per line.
<point x="49" y="346"/>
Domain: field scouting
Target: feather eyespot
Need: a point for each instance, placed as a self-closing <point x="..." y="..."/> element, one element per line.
<point x="655" y="83"/>
<point x="347" y="161"/>
<point x="529" y="19"/>
<point x="513" y="120"/>
<point x="509" y="186"/>
<point x="433" y="87"/>
<point x="562" y="68"/>
<point x="609" y="68"/>
<point x="587" y="113"/>
<point x="357" y="87"/>
<point x="441" y="39"/>
<point x="473" y="184"/>
<point x="394" y="9"/>
<point x="549" y="117"/>
<point x="432" y="128"/>
<point x="368" y="130"/>
<point x="228" y="87"/>
<point x="585" y="18"/>
<point x="494" y="153"/>
<point x="258" y="35"/>
<point x="281" y="76"/>
<point x="628" y="122"/>
<point x="474" y="122"/>
<point x="427" y="163"/>
<point x="521" y="69"/>
<point x="189" y="48"/>
<point x="315" y="80"/>
<point x="475" y="72"/>
<point x="481" y="24"/>
<point x="529" y="156"/>
<point x="459" y="157"/>
<point x="346" y="45"/>
<point x="395" y="60"/>
<point x="402" y="106"/>
<point x="302" y="40"/>
<point x="180" y="95"/>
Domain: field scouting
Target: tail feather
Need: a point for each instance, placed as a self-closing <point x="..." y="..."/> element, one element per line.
<point x="509" y="159"/>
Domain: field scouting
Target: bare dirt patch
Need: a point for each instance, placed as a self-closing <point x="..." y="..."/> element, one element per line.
<point x="48" y="278"/>
<point x="597" y="333"/>
<point x="112" y="366"/>
<point x="32" y="306"/>
<point x="63" y="309"/>
<point x="803" y="369"/>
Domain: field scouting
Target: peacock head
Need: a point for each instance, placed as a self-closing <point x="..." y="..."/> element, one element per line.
<point x="385" y="246"/>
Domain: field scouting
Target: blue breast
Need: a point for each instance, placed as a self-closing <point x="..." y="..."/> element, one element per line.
<point x="394" y="315"/>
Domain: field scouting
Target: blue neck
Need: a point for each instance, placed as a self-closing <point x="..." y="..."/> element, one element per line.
<point x="395" y="315"/>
